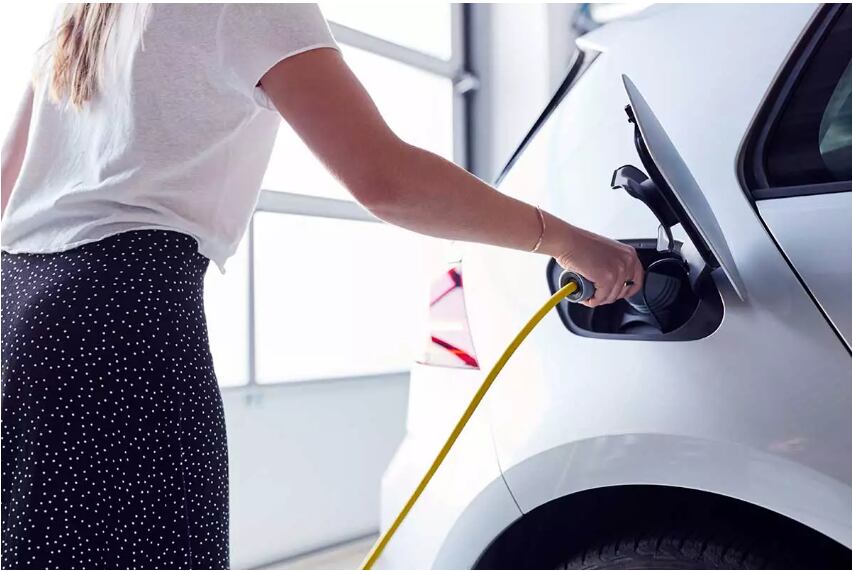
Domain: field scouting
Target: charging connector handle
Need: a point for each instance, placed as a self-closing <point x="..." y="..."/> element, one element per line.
<point x="585" y="288"/>
<point x="565" y="291"/>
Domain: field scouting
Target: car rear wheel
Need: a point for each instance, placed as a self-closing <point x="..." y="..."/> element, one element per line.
<point x="679" y="550"/>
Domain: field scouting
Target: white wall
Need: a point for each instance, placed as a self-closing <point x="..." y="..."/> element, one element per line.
<point x="306" y="461"/>
<point x="521" y="53"/>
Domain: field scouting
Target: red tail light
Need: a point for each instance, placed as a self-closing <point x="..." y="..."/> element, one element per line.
<point x="450" y="343"/>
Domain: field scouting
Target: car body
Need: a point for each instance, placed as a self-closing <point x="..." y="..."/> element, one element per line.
<point x="752" y="408"/>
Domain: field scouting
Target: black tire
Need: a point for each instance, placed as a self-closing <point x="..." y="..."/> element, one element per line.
<point x="648" y="527"/>
<point x="673" y="550"/>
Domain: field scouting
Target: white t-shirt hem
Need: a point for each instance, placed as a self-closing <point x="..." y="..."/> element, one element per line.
<point x="66" y="246"/>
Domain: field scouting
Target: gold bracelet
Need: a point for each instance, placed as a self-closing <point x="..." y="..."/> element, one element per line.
<point x="541" y="231"/>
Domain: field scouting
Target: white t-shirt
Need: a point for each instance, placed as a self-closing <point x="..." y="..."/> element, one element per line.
<point x="177" y="138"/>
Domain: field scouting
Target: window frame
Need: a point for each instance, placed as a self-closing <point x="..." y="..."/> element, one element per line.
<point x="750" y="165"/>
<point x="463" y="81"/>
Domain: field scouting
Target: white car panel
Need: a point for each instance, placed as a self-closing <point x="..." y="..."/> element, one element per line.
<point x="814" y="232"/>
<point x="773" y="376"/>
<point x="722" y="468"/>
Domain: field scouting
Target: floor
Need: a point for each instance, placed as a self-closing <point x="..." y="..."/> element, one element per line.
<point x="347" y="555"/>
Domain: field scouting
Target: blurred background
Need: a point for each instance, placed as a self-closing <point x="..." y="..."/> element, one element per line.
<point x="315" y="392"/>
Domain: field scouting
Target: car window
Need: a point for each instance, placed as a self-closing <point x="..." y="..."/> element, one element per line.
<point x="810" y="141"/>
<point x="835" y="129"/>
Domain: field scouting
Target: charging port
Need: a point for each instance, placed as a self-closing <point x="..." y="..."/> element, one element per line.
<point x="675" y="304"/>
<point x="679" y="300"/>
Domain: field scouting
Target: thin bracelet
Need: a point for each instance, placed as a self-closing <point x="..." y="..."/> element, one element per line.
<point x="541" y="230"/>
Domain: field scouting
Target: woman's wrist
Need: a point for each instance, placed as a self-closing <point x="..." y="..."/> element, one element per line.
<point x="558" y="237"/>
<point x="540" y="216"/>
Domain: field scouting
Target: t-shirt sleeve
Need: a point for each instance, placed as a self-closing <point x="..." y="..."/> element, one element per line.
<point x="252" y="38"/>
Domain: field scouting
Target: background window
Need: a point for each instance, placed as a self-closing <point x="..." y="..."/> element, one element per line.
<point x="336" y="298"/>
<point x="425" y="27"/>
<point x="396" y="89"/>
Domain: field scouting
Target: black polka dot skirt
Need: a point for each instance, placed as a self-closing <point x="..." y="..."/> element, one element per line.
<point x="113" y="435"/>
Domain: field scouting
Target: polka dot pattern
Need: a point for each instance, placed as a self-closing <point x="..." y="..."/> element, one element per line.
<point x="114" y="452"/>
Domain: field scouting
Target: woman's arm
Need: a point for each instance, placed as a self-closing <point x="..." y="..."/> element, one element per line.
<point x="406" y="186"/>
<point x="14" y="147"/>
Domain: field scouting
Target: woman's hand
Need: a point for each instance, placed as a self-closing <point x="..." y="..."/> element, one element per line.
<point x="607" y="263"/>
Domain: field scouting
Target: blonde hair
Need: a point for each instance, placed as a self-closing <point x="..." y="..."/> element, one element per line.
<point x="78" y="50"/>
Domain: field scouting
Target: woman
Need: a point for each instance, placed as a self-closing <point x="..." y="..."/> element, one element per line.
<point x="136" y="157"/>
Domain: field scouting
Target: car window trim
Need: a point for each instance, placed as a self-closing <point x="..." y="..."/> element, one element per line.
<point x="801" y="190"/>
<point x="580" y="62"/>
<point x="751" y="170"/>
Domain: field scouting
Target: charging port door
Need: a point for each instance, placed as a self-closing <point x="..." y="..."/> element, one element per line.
<point x="674" y="194"/>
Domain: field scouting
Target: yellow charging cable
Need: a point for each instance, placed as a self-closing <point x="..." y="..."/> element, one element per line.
<point x="382" y="542"/>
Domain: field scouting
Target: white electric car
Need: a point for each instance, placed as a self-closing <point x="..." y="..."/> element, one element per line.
<point x="709" y="424"/>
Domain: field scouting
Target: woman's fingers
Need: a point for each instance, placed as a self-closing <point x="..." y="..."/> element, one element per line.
<point x="623" y="278"/>
<point x="617" y="287"/>
<point x="613" y="267"/>
<point x="606" y="290"/>
<point x="637" y="277"/>
<point x="633" y="280"/>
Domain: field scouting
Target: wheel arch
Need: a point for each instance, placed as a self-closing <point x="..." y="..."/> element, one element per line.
<point x="761" y="481"/>
<point x="542" y="536"/>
